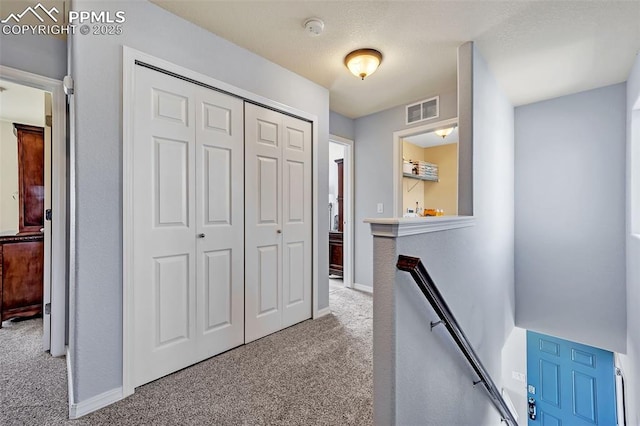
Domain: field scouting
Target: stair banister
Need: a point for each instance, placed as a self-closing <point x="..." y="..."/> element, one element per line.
<point x="428" y="287"/>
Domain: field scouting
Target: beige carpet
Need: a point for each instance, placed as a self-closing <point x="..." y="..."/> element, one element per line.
<point x="314" y="373"/>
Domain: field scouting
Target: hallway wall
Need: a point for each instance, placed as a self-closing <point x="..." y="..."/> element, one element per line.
<point x="47" y="56"/>
<point x="342" y="126"/>
<point x="570" y="216"/>
<point x="374" y="172"/>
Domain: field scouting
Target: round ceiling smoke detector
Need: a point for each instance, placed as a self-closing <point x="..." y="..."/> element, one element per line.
<point x="314" y="26"/>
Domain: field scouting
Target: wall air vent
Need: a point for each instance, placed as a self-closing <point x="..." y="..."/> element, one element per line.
<point x="423" y="110"/>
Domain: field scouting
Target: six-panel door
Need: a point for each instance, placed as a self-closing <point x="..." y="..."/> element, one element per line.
<point x="569" y="383"/>
<point x="277" y="221"/>
<point x="197" y="276"/>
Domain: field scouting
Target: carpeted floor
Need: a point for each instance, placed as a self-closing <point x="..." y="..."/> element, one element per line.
<point x="314" y="373"/>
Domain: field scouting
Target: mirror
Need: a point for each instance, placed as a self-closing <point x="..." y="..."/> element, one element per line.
<point x="430" y="172"/>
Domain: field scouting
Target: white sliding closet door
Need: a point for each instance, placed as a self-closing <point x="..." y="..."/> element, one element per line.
<point x="297" y="230"/>
<point x="188" y="224"/>
<point x="277" y="221"/>
<point x="219" y="222"/>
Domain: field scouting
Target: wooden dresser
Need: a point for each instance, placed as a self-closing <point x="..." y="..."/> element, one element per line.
<point x="21" y="275"/>
<point x="335" y="253"/>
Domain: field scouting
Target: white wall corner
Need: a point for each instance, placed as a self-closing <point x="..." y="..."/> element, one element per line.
<point x="363" y="287"/>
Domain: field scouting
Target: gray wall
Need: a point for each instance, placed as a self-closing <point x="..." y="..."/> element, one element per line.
<point x="42" y="55"/>
<point x="631" y="362"/>
<point x="96" y="344"/>
<point x="570" y="197"/>
<point x="339" y="125"/>
<point x="373" y="163"/>
<point x="432" y="378"/>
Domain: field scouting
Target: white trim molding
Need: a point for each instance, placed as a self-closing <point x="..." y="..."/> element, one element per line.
<point x="322" y="312"/>
<point x="401" y="227"/>
<point x="79" y="409"/>
<point x="349" y="208"/>
<point x="58" y="199"/>
<point x="363" y="287"/>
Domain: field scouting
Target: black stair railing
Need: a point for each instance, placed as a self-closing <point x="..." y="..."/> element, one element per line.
<point x="419" y="273"/>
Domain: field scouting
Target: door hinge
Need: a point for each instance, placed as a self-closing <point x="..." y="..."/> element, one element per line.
<point x="47" y="308"/>
<point x="47" y="214"/>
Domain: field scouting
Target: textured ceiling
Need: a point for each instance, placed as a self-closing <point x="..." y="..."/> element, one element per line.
<point x="430" y="139"/>
<point x="536" y="49"/>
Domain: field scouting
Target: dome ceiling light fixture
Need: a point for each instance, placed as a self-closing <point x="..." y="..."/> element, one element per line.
<point x="443" y="133"/>
<point x="363" y="62"/>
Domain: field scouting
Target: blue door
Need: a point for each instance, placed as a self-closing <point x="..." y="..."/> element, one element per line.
<point x="568" y="383"/>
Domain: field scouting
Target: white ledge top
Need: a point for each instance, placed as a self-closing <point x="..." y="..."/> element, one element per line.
<point x="400" y="227"/>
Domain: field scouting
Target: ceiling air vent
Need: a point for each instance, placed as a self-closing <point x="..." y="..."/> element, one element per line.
<point x="423" y="110"/>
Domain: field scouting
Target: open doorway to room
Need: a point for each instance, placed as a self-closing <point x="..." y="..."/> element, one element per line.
<point x="426" y="170"/>
<point x="32" y="194"/>
<point x="340" y="211"/>
<point x="25" y="195"/>
<point x="430" y="173"/>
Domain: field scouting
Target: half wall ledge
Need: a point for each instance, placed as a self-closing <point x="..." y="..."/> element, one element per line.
<point x="400" y="227"/>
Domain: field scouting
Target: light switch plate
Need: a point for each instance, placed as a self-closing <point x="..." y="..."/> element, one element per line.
<point x="380" y="208"/>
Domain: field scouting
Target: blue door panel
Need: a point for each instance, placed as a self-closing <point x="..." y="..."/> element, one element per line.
<point x="549" y="347"/>
<point x="550" y="382"/>
<point x="547" y="419"/>
<point x="572" y="384"/>
<point x="584" y="403"/>
<point x="584" y="358"/>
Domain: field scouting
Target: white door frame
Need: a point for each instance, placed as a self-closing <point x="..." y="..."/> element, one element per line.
<point x="58" y="279"/>
<point x="348" y="252"/>
<point x="130" y="56"/>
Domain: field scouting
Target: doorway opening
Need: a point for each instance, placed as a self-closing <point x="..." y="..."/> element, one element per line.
<point x="430" y="173"/>
<point x="426" y="170"/>
<point x="33" y="204"/>
<point x="340" y="211"/>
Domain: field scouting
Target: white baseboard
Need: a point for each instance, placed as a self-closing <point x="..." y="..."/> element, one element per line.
<point x="77" y="410"/>
<point x="69" y="380"/>
<point x="322" y="312"/>
<point x="95" y="403"/>
<point x="362" y="287"/>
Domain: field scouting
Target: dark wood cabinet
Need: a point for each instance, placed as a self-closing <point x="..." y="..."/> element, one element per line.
<point x="30" y="177"/>
<point x="21" y="275"/>
<point x="22" y="255"/>
<point x="336" y="255"/>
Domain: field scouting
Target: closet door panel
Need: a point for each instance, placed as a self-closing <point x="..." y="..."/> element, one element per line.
<point x="297" y="229"/>
<point x="219" y="222"/>
<point x="263" y="222"/>
<point x="164" y="271"/>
